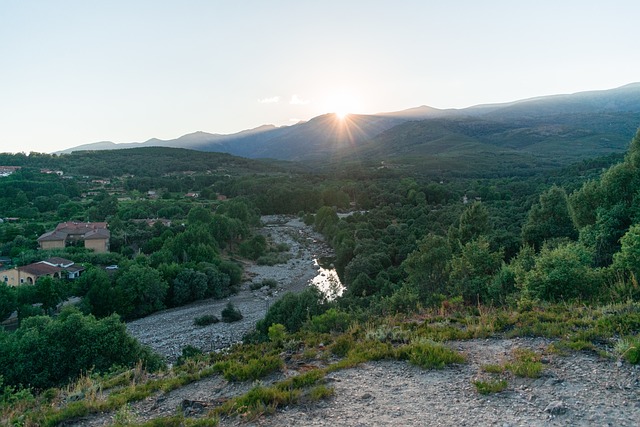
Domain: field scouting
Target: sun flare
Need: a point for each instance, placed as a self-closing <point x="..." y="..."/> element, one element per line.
<point x="342" y="104"/>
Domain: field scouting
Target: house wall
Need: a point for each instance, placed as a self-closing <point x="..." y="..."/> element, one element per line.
<point x="15" y="277"/>
<point x="98" y="245"/>
<point x="52" y="244"/>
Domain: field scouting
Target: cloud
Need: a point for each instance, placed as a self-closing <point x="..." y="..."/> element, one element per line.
<point x="271" y="100"/>
<point x="296" y="100"/>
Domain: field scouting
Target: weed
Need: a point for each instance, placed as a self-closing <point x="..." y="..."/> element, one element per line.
<point x="526" y="364"/>
<point x="320" y="392"/>
<point x="629" y="349"/>
<point x="490" y="386"/>
<point x="493" y="369"/>
<point x="430" y="355"/>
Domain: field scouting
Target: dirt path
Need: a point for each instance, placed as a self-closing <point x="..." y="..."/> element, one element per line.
<point x="169" y="331"/>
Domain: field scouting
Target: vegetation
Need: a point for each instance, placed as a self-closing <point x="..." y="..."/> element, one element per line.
<point x="426" y="257"/>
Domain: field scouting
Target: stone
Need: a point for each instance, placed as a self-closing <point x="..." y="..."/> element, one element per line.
<point x="556" y="407"/>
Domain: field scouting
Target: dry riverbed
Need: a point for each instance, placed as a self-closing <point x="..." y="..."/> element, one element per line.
<point x="169" y="331"/>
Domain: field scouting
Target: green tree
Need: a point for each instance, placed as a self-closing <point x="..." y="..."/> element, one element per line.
<point x="143" y="289"/>
<point x="549" y="218"/>
<point x="473" y="269"/>
<point x="189" y="285"/>
<point x="628" y="259"/>
<point x="8" y="301"/>
<point x="562" y="272"/>
<point x="427" y="267"/>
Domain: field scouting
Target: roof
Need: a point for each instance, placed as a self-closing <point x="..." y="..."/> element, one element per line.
<point x="74" y="269"/>
<point x="100" y="233"/>
<point x="88" y="230"/>
<point x="52" y="236"/>
<point x="74" y="227"/>
<point x="57" y="261"/>
<point x="39" y="269"/>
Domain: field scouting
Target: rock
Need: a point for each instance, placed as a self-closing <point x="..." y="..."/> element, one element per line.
<point x="556" y="407"/>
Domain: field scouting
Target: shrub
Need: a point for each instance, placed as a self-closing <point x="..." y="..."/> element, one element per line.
<point x="231" y="314"/>
<point x="277" y="333"/>
<point x="207" y="319"/>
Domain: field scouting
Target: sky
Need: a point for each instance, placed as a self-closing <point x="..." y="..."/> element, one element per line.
<point x="74" y="72"/>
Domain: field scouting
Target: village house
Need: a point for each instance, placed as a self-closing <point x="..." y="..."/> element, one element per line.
<point x="91" y="235"/>
<point x="8" y="170"/>
<point x="56" y="267"/>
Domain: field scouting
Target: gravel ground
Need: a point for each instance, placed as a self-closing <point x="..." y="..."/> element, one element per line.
<point x="169" y="331"/>
<point x="581" y="389"/>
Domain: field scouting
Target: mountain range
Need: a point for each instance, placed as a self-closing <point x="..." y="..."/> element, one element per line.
<point x="567" y="127"/>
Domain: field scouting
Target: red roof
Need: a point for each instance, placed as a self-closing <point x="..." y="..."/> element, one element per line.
<point x="39" y="269"/>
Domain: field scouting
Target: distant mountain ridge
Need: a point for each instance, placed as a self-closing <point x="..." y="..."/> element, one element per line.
<point x="593" y="122"/>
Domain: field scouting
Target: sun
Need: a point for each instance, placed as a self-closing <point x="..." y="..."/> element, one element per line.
<point x="342" y="104"/>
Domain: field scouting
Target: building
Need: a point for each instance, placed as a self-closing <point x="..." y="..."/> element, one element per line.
<point x="91" y="235"/>
<point x="56" y="267"/>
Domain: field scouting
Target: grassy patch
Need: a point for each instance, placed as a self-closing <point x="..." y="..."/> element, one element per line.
<point x="429" y="355"/>
<point x="526" y="364"/>
<point x="490" y="386"/>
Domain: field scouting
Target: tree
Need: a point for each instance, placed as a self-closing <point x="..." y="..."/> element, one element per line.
<point x="49" y="292"/>
<point x="549" y="218"/>
<point x="8" y="301"/>
<point x="474" y="222"/>
<point x="560" y="273"/>
<point x="427" y="267"/>
<point x="628" y="259"/>
<point x="143" y="289"/>
<point x="473" y="269"/>
<point x="189" y="285"/>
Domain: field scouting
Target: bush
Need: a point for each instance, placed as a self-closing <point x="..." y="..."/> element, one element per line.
<point x="231" y="314"/>
<point x="431" y="355"/>
<point x="207" y="319"/>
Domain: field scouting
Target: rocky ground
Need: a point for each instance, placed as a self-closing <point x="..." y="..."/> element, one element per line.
<point x="169" y="331"/>
<point x="578" y="389"/>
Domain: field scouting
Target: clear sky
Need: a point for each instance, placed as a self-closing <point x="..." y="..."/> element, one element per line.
<point x="79" y="71"/>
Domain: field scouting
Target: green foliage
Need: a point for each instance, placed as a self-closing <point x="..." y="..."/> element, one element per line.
<point x="45" y="352"/>
<point x="292" y="311"/>
<point x="490" y="386"/>
<point x="277" y="334"/>
<point x="629" y="349"/>
<point x="188" y="286"/>
<point x="230" y="313"/>
<point x="473" y="269"/>
<point x="562" y="273"/>
<point x="474" y="222"/>
<point x="428" y="266"/>
<point x="8" y="301"/>
<point x="330" y="321"/>
<point x="549" y="218"/>
<point x="526" y="363"/>
<point x="205" y="320"/>
<point x="142" y="289"/>
<point x="628" y="259"/>
<point x="254" y="247"/>
<point x="252" y="369"/>
<point x="430" y="355"/>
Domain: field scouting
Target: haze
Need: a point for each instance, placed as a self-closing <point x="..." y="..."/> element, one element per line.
<point x="76" y="72"/>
